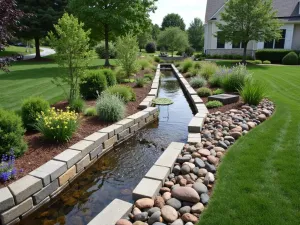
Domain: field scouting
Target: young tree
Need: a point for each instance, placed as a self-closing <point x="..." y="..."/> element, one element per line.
<point x="174" y="39"/>
<point x="196" y="34"/>
<point x="127" y="49"/>
<point x="71" y="43"/>
<point x="173" y="20"/>
<point x="247" y="20"/>
<point x="41" y="15"/>
<point x="155" y="32"/>
<point x="108" y="19"/>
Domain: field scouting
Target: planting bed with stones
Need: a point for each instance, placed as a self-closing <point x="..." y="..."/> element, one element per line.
<point x="186" y="191"/>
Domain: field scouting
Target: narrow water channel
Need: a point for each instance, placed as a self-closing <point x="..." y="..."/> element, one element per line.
<point x="117" y="173"/>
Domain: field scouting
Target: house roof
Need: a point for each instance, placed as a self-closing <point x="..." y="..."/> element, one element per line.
<point x="286" y="8"/>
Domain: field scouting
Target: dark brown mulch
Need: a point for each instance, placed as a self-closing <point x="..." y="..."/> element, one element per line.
<point x="40" y="151"/>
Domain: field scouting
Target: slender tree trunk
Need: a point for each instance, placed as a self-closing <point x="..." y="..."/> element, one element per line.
<point x="37" y="48"/>
<point x="106" y="33"/>
<point x="245" y="53"/>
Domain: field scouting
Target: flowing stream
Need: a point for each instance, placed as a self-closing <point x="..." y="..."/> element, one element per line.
<point x="117" y="173"/>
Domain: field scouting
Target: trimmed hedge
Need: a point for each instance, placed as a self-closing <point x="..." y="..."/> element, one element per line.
<point x="273" y="55"/>
<point x="290" y="59"/>
<point x="94" y="81"/>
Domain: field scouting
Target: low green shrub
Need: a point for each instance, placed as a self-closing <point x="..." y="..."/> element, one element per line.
<point x="11" y="133"/>
<point x="235" y="78"/>
<point x="157" y="59"/>
<point x="195" y="72"/>
<point x="150" y="47"/>
<point x="110" y="77"/>
<point x="149" y="77"/>
<point x="100" y="50"/>
<point x="273" y="55"/>
<point x="110" y="108"/>
<point x="290" y="59"/>
<point x="77" y="105"/>
<point x="198" y="82"/>
<point x="253" y="92"/>
<point x="144" y="63"/>
<point x="186" y="65"/>
<point x="30" y="110"/>
<point x="125" y="93"/>
<point x="204" y="92"/>
<point x="214" y="104"/>
<point x="140" y="82"/>
<point x="256" y="62"/>
<point x="91" y="111"/>
<point x="58" y="125"/>
<point x="208" y="69"/>
<point x="216" y="79"/>
<point x="266" y="62"/>
<point x="120" y="74"/>
<point x="218" y="91"/>
<point x="189" y="51"/>
<point x="92" y="84"/>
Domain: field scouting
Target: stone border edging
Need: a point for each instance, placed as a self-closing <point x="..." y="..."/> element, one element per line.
<point x="29" y="193"/>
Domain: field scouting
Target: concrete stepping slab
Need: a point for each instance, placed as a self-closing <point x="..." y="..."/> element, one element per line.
<point x="147" y="188"/>
<point x="225" y="98"/>
<point x="158" y="173"/>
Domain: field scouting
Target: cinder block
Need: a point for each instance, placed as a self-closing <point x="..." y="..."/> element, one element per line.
<point x="16" y="211"/>
<point x="84" y="146"/>
<point x="69" y="174"/>
<point x="158" y="173"/>
<point x="6" y="199"/>
<point x="110" y="142"/>
<point x="97" y="138"/>
<point x="83" y="163"/>
<point x="147" y="188"/>
<point x="25" y="187"/>
<point x="112" y="130"/>
<point x="53" y="168"/>
<point x="45" y="192"/>
<point x="70" y="157"/>
<point x="116" y="210"/>
<point x="168" y="158"/>
<point x="151" y="110"/>
<point x="134" y="128"/>
<point x="126" y="123"/>
<point x="137" y="117"/>
<point x="196" y="124"/>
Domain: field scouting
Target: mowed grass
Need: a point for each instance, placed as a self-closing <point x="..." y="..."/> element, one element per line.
<point x="30" y="78"/>
<point x="258" y="181"/>
<point x="11" y="50"/>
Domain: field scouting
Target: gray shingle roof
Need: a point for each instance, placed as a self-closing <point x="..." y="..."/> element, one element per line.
<point x="286" y="8"/>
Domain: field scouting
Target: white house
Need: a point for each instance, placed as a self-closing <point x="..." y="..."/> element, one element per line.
<point x="288" y="13"/>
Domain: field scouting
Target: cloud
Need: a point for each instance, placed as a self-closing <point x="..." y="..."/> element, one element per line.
<point x="187" y="9"/>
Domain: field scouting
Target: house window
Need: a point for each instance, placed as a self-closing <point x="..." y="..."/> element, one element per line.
<point x="238" y="45"/>
<point x="220" y="40"/>
<point x="277" y="44"/>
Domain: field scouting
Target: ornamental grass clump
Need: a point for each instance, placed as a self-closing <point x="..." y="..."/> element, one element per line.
<point x="208" y="69"/>
<point x="7" y="167"/>
<point x="144" y="63"/>
<point x="58" y="125"/>
<point x="214" y="104"/>
<point x="186" y="65"/>
<point x="110" y="108"/>
<point x="91" y="111"/>
<point x="140" y="82"/>
<point x="198" y="82"/>
<point x="253" y="92"/>
<point x="124" y="92"/>
<point x="216" y="79"/>
<point x="236" y="79"/>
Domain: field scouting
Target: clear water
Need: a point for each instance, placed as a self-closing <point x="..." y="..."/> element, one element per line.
<point x="117" y="173"/>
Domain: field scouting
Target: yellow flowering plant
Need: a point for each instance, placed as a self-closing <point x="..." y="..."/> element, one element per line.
<point x="58" y="125"/>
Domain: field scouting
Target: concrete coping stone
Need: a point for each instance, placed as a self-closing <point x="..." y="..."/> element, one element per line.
<point x="112" y="130"/>
<point x="126" y="123"/>
<point x="202" y="108"/>
<point x="25" y="187"/>
<point x="194" y="138"/>
<point x="44" y="176"/>
<point x="149" y="98"/>
<point x="155" y="86"/>
<point x="197" y="99"/>
<point x="6" y="199"/>
<point x="97" y="137"/>
<point x="147" y="188"/>
<point x="201" y="115"/>
<point x="144" y="104"/>
<point x="191" y="91"/>
<point x="195" y="125"/>
<point x="151" y="110"/>
<point x="158" y="173"/>
<point x="84" y="146"/>
<point x="116" y="210"/>
<point x="153" y="92"/>
<point x="137" y="117"/>
<point x="69" y="156"/>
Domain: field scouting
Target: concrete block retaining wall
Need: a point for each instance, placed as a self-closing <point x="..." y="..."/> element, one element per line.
<point x="27" y="194"/>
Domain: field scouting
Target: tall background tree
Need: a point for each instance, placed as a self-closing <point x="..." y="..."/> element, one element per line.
<point x="108" y="19"/>
<point x="143" y="39"/>
<point x="247" y="20"/>
<point x="41" y="15"/>
<point x="196" y="34"/>
<point x="155" y="31"/>
<point x="173" y="20"/>
<point x="174" y="39"/>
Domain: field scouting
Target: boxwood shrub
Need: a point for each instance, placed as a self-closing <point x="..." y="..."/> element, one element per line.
<point x="94" y="81"/>
<point x="110" y="77"/>
<point x="290" y="59"/>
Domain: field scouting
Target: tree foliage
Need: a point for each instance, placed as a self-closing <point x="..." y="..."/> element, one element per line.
<point x="196" y="34"/>
<point x="155" y="32"/>
<point x="109" y="19"/>
<point x="143" y="39"/>
<point x="173" y="20"/>
<point x="246" y="20"/>
<point x="127" y="48"/>
<point x="174" y="39"/>
<point x="71" y="43"/>
<point x="39" y="19"/>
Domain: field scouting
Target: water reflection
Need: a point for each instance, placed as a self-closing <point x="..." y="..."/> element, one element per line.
<point x="116" y="174"/>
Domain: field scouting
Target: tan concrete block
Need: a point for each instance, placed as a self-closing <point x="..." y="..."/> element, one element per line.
<point x="70" y="173"/>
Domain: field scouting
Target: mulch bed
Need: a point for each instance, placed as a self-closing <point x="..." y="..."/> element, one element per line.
<point x="41" y="151"/>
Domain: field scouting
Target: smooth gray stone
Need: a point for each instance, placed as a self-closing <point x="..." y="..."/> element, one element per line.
<point x="153" y="210"/>
<point x="154" y="218"/>
<point x="210" y="168"/>
<point x="178" y="222"/>
<point x="196" y="170"/>
<point x="199" y="163"/>
<point x="200" y="188"/>
<point x="185" y="169"/>
<point x="185" y="209"/>
<point x="204" y="198"/>
<point x="175" y="203"/>
<point x="141" y="217"/>
<point x="176" y="170"/>
<point x="222" y="144"/>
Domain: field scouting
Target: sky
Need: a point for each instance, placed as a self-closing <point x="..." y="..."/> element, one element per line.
<point x="187" y="9"/>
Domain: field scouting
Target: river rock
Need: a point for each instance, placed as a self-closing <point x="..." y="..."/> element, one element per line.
<point x="155" y="217"/>
<point x="236" y="135"/>
<point x="199" y="163"/>
<point x="159" y="202"/>
<point x="141" y="217"/>
<point x="166" y="196"/>
<point x="144" y="203"/>
<point x="185" y="169"/>
<point x="187" y="217"/>
<point x="204" y="152"/>
<point x="210" y="168"/>
<point x="169" y="184"/>
<point x="185" y="209"/>
<point x="186" y="194"/>
<point x="200" y="188"/>
<point x="169" y="213"/>
<point x="212" y="159"/>
<point x="136" y="211"/>
<point x="204" y="198"/>
<point x="153" y="210"/>
<point x="202" y="172"/>
<point x="175" y="203"/>
<point x="197" y="208"/>
<point x="138" y="223"/>
<point x="123" y="222"/>
<point x="178" y="222"/>
<point x="262" y="117"/>
<point x="251" y="125"/>
<point x="176" y="170"/>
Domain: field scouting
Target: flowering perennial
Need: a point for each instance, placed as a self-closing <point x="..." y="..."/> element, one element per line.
<point x="58" y="125"/>
<point x="7" y="167"/>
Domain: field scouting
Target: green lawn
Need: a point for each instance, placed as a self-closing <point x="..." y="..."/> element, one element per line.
<point x="11" y="50"/>
<point x="258" y="181"/>
<point x="32" y="79"/>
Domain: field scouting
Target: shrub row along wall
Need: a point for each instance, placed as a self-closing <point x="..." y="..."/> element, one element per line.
<point x="275" y="56"/>
<point x="29" y="193"/>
